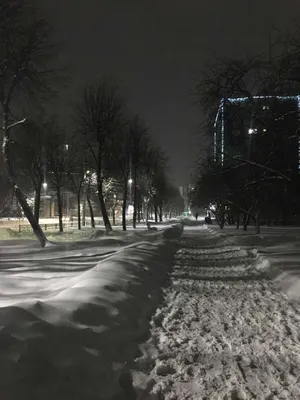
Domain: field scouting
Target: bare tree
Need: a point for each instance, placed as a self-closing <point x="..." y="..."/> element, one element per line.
<point x="173" y="202"/>
<point x="76" y="171"/>
<point x="99" y="118"/>
<point x="127" y="162"/>
<point x="227" y="78"/>
<point x="30" y="155"/>
<point x="154" y="162"/>
<point x="120" y="165"/>
<point x="24" y="54"/>
<point x="139" y="143"/>
<point x="161" y="196"/>
<point x="59" y="160"/>
<point x="254" y="167"/>
<point x="89" y="183"/>
<point x="113" y="189"/>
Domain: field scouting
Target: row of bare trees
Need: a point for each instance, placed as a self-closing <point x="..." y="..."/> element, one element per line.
<point x="128" y="165"/>
<point x="25" y="70"/>
<point x="106" y="154"/>
<point x="258" y="177"/>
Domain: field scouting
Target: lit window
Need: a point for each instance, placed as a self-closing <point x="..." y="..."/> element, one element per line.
<point x="252" y="131"/>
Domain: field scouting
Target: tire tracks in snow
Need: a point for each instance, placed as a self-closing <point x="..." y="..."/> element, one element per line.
<point x="222" y="331"/>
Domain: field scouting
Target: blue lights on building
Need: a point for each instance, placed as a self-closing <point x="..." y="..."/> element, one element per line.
<point x="219" y="146"/>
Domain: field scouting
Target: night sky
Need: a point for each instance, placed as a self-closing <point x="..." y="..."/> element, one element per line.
<point x="156" y="49"/>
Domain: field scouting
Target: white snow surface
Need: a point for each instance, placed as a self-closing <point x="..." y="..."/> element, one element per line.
<point x="277" y="252"/>
<point x="229" y="324"/>
<point x="72" y="315"/>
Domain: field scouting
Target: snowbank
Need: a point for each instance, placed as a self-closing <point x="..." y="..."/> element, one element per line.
<point x="173" y="232"/>
<point x="276" y="251"/>
<point x="72" y="339"/>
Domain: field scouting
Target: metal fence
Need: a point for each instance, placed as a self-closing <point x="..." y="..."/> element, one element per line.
<point x="52" y="227"/>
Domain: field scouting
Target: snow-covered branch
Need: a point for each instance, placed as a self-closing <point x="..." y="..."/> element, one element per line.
<point x="16" y="123"/>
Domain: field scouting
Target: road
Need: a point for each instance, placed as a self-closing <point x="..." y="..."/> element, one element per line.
<point x="222" y="331"/>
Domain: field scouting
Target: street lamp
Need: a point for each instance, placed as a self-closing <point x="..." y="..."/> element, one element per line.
<point x="130" y="190"/>
<point x="45" y="185"/>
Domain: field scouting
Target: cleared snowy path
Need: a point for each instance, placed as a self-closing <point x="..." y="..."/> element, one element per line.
<point x="222" y="331"/>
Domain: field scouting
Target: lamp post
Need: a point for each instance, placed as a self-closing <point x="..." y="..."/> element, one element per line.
<point x="45" y="185"/>
<point x="114" y="209"/>
<point x="130" y="190"/>
<point x="130" y="206"/>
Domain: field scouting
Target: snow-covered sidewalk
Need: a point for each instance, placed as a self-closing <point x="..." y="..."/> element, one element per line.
<point x="223" y="331"/>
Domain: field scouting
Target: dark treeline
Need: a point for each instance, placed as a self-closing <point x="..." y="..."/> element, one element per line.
<point x="251" y="109"/>
<point x="107" y="157"/>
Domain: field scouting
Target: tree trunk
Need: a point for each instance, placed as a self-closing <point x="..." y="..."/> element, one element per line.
<point x="220" y="220"/>
<point x="139" y="211"/>
<point x="245" y="224"/>
<point x="135" y="201"/>
<point x="147" y="213"/>
<point x="220" y="217"/>
<point x="124" y="206"/>
<point x="160" y="213"/>
<point x="106" y="220"/>
<point x="257" y="219"/>
<point x="19" y="194"/>
<point x="230" y="216"/>
<point x="78" y="211"/>
<point x="59" y="208"/>
<point x="246" y="221"/>
<point x="83" y="212"/>
<point x="238" y="220"/>
<point x="31" y="218"/>
<point x="155" y="212"/>
<point x="257" y="226"/>
<point x="37" y="202"/>
<point x="114" y="215"/>
<point x="90" y="208"/>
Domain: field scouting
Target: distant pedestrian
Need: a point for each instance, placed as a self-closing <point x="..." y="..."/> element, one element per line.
<point x="196" y="216"/>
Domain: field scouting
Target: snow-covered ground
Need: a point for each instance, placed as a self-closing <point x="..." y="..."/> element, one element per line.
<point x="277" y="250"/>
<point x="75" y="315"/>
<point x="226" y="329"/>
<point x="72" y="314"/>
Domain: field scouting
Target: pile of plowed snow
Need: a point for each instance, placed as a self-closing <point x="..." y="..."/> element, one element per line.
<point x="67" y="332"/>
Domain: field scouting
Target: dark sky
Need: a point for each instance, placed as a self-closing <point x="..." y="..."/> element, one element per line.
<point x="155" y="50"/>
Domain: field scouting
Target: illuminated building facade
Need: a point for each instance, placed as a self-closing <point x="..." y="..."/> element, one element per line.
<point x="252" y="127"/>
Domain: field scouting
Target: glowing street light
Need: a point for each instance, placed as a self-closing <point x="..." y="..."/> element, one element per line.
<point x="45" y="184"/>
<point x="130" y="181"/>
